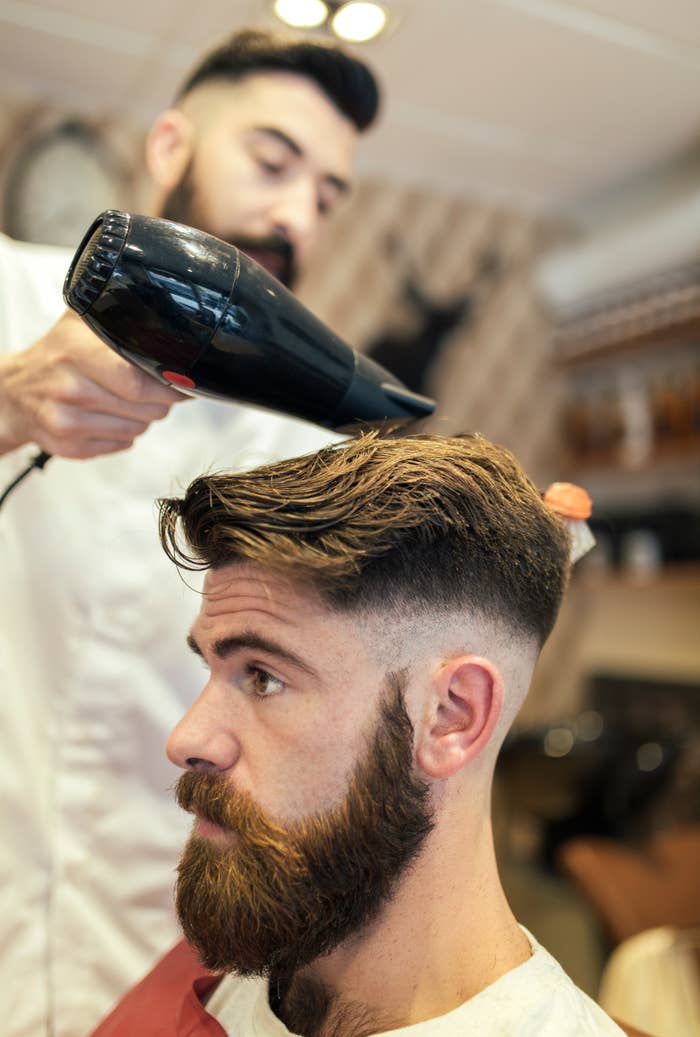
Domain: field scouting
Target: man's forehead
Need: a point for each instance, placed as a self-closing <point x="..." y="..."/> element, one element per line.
<point x="287" y="101"/>
<point x="276" y="89"/>
<point x="243" y="586"/>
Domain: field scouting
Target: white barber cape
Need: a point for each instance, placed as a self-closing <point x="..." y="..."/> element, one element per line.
<point x="94" y="673"/>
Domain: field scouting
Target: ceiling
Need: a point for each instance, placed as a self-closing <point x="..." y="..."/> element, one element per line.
<point x="537" y="103"/>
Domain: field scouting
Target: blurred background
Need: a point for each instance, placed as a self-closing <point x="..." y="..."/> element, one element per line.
<point x="524" y="244"/>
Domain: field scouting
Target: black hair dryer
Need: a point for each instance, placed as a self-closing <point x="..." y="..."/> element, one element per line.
<point x="200" y="315"/>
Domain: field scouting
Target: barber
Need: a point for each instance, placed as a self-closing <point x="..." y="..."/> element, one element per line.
<point x="257" y="149"/>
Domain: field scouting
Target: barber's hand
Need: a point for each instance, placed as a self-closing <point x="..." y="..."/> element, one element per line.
<point x="75" y="397"/>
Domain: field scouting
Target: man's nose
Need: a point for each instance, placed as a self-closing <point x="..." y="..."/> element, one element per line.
<point x="202" y="740"/>
<point x="296" y="218"/>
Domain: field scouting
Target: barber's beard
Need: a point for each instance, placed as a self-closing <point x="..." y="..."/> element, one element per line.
<point x="182" y="205"/>
<point x="278" y="896"/>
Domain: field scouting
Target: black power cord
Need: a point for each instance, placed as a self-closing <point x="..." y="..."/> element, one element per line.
<point x="37" y="462"/>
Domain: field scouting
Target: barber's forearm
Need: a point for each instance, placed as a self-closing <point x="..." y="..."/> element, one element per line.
<point x="74" y="397"/>
<point x="12" y="434"/>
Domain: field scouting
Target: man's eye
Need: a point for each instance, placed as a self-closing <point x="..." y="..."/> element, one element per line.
<point x="273" y="168"/>
<point x="261" y="683"/>
<point x="328" y="200"/>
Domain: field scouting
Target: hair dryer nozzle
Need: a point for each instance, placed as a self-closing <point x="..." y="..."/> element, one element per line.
<point x="95" y="260"/>
<point x="373" y="393"/>
<point x="196" y="312"/>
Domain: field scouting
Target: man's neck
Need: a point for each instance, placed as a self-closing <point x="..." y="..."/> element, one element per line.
<point x="446" y="935"/>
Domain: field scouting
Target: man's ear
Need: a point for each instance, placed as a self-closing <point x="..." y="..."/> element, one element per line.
<point x="169" y="147"/>
<point x="467" y="698"/>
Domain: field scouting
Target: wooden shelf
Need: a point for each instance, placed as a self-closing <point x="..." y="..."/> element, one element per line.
<point x="612" y="462"/>
<point x="680" y="334"/>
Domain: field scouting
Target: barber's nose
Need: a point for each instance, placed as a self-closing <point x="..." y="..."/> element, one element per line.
<point x="295" y="217"/>
<point x="203" y="740"/>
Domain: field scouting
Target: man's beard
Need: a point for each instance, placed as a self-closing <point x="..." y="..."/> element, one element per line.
<point x="182" y="206"/>
<point x="277" y="897"/>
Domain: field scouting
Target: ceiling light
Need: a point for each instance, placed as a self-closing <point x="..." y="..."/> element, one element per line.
<point x="302" y="14"/>
<point x="358" y="22"/>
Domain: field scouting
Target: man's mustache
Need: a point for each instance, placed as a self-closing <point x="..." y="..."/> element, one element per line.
<point x="207" y="795"/>
<point x="258" y="837"/>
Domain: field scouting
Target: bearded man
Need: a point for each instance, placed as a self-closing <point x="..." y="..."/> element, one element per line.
<point x="370" y="621"/>
<point x="257" y="149"/>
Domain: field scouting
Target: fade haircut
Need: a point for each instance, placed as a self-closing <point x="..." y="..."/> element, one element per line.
<point x="419" y="523"/>
<point x="345" y="80"/>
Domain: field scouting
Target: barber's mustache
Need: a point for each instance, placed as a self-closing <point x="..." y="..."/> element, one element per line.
<point x="276" y="252"/>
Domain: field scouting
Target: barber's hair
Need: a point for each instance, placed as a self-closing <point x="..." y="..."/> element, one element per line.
<point x="346" y="80"/>
<point x="424" y="522"/>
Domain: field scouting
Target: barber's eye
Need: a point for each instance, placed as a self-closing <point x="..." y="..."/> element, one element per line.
<point x="261" y="683"/>
<point x="273" y="168"/>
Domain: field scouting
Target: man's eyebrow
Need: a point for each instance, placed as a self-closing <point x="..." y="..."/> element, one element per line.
<point x="284" y="138"/>
<point x="338" y="182"/>
<point x="194" y="647"/>
<point x="226" y="646"/>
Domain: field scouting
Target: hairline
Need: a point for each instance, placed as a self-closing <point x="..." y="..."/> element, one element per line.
<point x="478" y="624"/>
<point x="238" y="79"/>
<point x="192" y="99"/>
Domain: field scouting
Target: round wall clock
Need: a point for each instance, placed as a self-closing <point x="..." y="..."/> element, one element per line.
<point x="61" y="179"/>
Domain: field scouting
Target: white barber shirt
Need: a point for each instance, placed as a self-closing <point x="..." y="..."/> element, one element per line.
<point x="94" y="673"/>
<point x="536" y="999"/>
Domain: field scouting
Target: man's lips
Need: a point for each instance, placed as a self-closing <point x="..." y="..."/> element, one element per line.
<point x="205" y="829"/>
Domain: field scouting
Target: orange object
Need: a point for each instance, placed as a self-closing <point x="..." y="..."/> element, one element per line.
<point x="568" y="500"/>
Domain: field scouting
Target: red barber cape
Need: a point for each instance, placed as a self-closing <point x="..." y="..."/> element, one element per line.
<point x="168" y="1002"/>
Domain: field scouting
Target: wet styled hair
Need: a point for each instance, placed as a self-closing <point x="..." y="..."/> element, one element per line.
<point x="345" y="80"/>
<point x="424" y="522"/>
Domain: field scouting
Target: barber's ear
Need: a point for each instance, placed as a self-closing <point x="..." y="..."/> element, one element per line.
<point x="169" y="147"/>
<point x="466" y="704"/>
